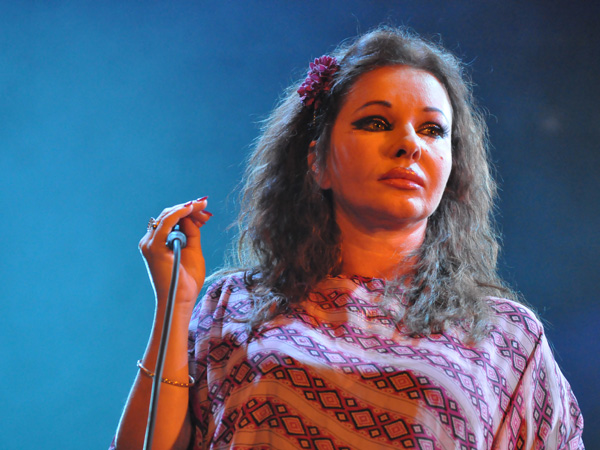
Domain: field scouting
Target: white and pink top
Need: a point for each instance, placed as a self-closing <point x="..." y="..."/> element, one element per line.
<point x="337" y="373"/>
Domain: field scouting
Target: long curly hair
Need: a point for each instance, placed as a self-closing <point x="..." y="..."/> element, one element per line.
<point x="288" y="238"/>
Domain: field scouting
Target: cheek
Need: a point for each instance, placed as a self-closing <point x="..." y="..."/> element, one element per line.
<point x="446" y="165"/>
<point x="443" y="164"/>
<point x="342" y="163"/>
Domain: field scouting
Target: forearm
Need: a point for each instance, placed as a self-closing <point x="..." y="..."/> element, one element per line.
<point x="173" y="427"/>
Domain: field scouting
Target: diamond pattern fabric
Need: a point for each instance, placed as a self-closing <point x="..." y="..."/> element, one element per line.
<point x="337" y="373"/>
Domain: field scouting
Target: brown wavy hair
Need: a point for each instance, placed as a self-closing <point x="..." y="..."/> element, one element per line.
<point x="288" y="237"/>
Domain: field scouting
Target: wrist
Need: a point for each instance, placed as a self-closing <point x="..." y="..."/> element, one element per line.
<point x="182" y="303"/>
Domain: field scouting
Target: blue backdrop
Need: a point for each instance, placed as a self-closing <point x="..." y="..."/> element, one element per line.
<point x="112" y="110"/>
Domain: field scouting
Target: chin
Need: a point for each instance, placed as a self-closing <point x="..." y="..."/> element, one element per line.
<point x="393" y="217"/>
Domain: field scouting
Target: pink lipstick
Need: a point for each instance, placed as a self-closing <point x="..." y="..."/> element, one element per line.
<point x="402" y="178"/>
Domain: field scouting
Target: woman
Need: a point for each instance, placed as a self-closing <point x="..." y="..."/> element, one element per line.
<point x="362" y="311"/>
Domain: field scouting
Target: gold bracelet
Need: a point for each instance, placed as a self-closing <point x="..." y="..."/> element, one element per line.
<point x="165" y="380"/>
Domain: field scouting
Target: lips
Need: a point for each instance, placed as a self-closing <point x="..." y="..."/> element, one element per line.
<point x="403" y="178"/>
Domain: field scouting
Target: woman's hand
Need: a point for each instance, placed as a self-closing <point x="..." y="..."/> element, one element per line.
<point x="159" y="258"/>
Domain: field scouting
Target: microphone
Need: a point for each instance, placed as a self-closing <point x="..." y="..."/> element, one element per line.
<point x="176" y="240"/>
<point x="176" y="235"/>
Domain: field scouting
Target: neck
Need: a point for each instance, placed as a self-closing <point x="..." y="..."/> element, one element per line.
<point x="379" y="253"/>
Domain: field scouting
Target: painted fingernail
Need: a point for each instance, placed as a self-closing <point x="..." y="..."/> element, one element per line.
<point x="209" y="214"/>
<point x="202" y="199"/>
<point x="188" y="203"/>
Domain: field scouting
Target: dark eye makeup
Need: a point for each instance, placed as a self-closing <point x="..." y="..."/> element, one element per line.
<point x="372" y="123"/>
<point x="434" y="129"/>
<point x="380" y="123"/>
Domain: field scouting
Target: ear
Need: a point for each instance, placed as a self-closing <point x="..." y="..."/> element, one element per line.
<point x="319" y="173"/>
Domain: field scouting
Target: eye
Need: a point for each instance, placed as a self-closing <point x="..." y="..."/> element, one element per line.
<point x="372" y="123"/>
<point x="434" y="129"/>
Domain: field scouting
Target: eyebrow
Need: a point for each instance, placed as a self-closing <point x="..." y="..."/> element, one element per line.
<point x="434" y="109"/>
<point x="375" y="102"/>
<point x="389" y="105"/>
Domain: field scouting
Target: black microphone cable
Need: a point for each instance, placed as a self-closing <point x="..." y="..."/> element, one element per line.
<point x="176" y="240"/>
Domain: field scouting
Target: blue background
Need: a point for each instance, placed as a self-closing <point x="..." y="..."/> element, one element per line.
<point x="112" y="110"/>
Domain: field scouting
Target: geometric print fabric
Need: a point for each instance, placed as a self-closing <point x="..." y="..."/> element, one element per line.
<point x="337" y="373"/>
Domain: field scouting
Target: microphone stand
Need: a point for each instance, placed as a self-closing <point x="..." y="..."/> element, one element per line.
<point x="176" y="240"/>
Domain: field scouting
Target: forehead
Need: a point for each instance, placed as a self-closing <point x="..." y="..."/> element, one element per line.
<point x="399" y="85"/>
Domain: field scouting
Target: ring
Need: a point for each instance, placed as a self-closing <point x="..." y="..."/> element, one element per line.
<point x="152" y="224"/>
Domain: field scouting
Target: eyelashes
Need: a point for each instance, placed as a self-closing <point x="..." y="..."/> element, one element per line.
<point x="434" y="129"/>
<point x="380" y="123"/>
<point x="372" y="123"/>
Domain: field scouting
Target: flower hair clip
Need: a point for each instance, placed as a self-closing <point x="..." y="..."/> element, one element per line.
<point x="318" y="81"/>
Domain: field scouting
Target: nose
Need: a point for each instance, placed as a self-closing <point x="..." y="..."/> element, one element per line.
<point x="409" y="145"/>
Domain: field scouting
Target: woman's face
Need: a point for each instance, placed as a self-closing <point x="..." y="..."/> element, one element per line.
<point x="390" y="153"/>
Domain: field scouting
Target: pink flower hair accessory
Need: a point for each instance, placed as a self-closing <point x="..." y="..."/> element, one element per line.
<point x="318" y="81"/>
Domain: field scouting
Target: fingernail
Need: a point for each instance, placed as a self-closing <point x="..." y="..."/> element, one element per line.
<point x="202" y="199"/>
<point x="209" y="214"/>
<point x="188" y="203"/>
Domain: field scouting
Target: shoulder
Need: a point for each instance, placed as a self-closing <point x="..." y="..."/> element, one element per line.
<point x="228" y="296"/>
<point x="514" y="328"/>
<point x="228" y="284"/>
<point x="513" y="316"/>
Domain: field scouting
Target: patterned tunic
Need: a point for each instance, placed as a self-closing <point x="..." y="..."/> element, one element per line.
<point x="337" y="373"/>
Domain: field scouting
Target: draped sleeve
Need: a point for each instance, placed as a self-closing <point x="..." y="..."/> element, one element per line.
<point x="223" y="302"/>
<point x="543" y="412"/>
